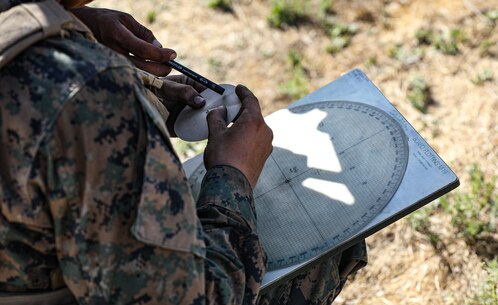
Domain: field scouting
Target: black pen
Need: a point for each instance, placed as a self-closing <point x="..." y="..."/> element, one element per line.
<point x="195" y="76"/>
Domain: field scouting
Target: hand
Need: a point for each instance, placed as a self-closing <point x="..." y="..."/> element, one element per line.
<point x="122" y="33"/>
<point x="69" y="4"/>
<point x="246" y="144"/>
<point x="177" y="92"/>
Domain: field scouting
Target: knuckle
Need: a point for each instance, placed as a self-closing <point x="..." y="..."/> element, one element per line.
<point x="256" y="120"/>
<point x="214" y="115"/>
<point x="126" y="17"/>
<point x="147" y="33"/>
<point x="129" y="16"/>
<point x="185" y="91"/>
<point x="250" y="95"/>
<point x="251" y="98"/>
<point x="270" y="133"/>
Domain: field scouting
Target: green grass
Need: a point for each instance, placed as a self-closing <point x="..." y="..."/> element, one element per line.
<point x="222" y="5"/>
<point x="326" y="7"/>
<point x="492" y="15"/>
<point x="214" y="64"/>
<point x="485" y="47"/>
<point x="404" y="55"/>
<point x="340" y="34"/>
<point x="448" y="42"/>
<point x="372" y="61"/>
<point x="482" y="77"/>
<point x="419" y="94"/>
<point x="424" y="36"/>
<point x="286" y="13"/>
<point x="419" y="221"/>
<point x="474" y="213"/>
<point x="488" y="290"/>
<point x="297" y="86"/>
<point x="151" y="17"/>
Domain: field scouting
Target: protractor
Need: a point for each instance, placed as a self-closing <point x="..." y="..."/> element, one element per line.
<point x="335" y="165"/>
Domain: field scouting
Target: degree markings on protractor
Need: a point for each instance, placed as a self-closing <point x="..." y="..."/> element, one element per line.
<point x="334" y="167"/>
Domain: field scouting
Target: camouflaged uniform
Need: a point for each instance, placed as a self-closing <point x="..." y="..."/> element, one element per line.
<point x="93" y="197"/>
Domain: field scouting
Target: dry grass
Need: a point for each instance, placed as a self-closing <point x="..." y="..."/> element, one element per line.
<point x="462" y="124"/>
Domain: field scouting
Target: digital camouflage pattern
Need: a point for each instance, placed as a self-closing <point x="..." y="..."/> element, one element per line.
<point x="322" y="283"/>
<point x="93" y="197"/>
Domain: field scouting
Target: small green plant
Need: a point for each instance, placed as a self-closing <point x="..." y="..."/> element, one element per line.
<point x="419" y="94"/>
<point x="485" y="47"/>
<point x="151" y="17"/>
<point x="473" y="213"/>
<point x="446" y="46"/>
<point x="295" y="58"/>
<point x="397" y="52"/>
<point x="214" y="64"/>
<point x="488" y="292"/>
<point x="492" y="15"/>
<point x="297" y="86"/>
<point x="446" y="42"/>
<point x="405" y="56"/>
<point x="419" y="221"/>
<point x="386" y="19"/>
<point x="340" y="35"/>
<point x="287" y="12"/>
<point x="223" y="5"/>
<point x="326" y="7"/>
<point x="484" y="76"/>
<point x="372" y="61"/>
<point x="424" y="36"/>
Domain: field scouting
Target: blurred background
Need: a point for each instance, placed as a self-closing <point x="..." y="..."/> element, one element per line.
<point x="436" y="61"/>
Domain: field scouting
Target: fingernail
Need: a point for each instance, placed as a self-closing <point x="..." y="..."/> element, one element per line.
<point x="157" y="43"/>
<point x="199" y="100"/>
<point x="173" y="56"/>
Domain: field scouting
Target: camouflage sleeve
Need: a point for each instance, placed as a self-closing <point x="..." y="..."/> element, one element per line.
<point x="226" y="209"/>
<point x="125" y="223"/>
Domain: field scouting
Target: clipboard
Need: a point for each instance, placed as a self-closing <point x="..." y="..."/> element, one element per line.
<point x="345" y="165"/>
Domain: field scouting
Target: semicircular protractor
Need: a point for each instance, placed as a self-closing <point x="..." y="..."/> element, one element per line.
<point x="334" y="166"/>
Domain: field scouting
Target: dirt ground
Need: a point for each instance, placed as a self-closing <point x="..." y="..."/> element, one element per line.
<point x="461" y="124"/>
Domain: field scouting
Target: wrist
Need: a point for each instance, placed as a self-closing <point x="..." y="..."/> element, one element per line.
<point x="237" y="167"/>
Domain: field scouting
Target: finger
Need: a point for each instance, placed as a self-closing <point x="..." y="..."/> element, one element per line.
<point x="180" y="78"/>
<point x="157" y="43"/>
<point x="182" y="93"/>
<point x="150" y="66"/>
<point x="216" y="121"/>
<point x="248" y="99"/>
<point x="138" y="29"/>
<point x="143" y="49"/>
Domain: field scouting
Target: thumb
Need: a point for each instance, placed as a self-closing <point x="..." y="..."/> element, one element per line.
<point x="216" y="120"/>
